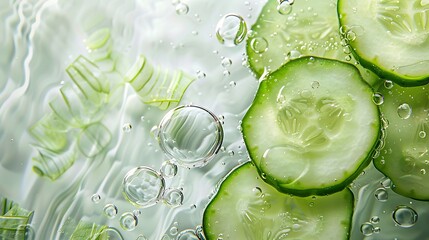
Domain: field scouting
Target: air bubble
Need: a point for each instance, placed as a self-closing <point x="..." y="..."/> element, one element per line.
<point x="259" y="45"/>
<point x="226" y="62"/>
<point x="405" y="216"/>
<point x="367" y="229"/>
<point x="182" y="8"/>
<point x="350" y="35"/>
<point x="190" y="135"/>
<point x="381" y="194"/>
<point x="375" y="220"/>
<point x="293" y="54"/>
<point x="168" y="169"/>
<point x="127" y="127"/>
<point x="188" y="234"/>
<point x="388" y="84"/>
<point x="173" y="197"/>
<point x="231" y="30"/>
<point x="128" y="221"/>
<point x="404" y="111"/>
<point x="200" y="75"/>
<point x="174" y="230"/>
<point x="284" y="8"/>
<point x="290" y="2"/>
<point x="95" y="198"/>
<point x="378" y="98"/>
<point x="232" y="84"/>
<point x="137" y="212"/>
<point x="422" y="134"/>
<point x="143" y="186"/>
<point x="315" y="84"/>
<point x="110" y="211"/>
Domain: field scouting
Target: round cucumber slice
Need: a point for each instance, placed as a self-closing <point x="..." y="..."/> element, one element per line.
<point x="312" y="126"/>
<point x="405" y="156"/>
<point x="389" y="37"/>
<point x="245" y="207"/>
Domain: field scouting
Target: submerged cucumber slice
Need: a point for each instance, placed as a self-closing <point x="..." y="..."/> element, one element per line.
<point x="312" y="126"/>
<point x="405" y="156"/>
<point x="245" y="207"/>
<point x="389" y="37"/>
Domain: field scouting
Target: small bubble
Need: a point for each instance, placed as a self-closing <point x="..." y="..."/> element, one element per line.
<point x="290" y="2"/>
<point x="405" y="216"/>
<point x="423" y="171"/>
<point x="137" y="212"/>
<point x="173" y="197"/>
<point x="315" y="84"/>
<point x="375" y="220"/>
<point x="378" y="98"/>
<point x="95" y="198"/>
<point x="232" y="84"/>
<point x="367" y="229"/>
<point x="381" y="194"/>
<point x="182" y="8"/>
<point x="293" y="54"/>
<point x="350" y="35"/>
<point x="188" y="234"/>
<point x="128" y="221"/>
<point x="194" y="33"/>
<point x="154" y="131"/>
<point x="127" y="127"/>
<point x="175" y="2"/>
<point x="174" y="230"/>
<point x="422" y="134"/>
<point x="259" y="45"/>
<point x="388" y="84"/>
<point x="200" y="75"/>
<point x="404" y="111"/>
<point x="231" y="153"/>
<point x="168" y="169"/>
<point x="226" y="62"/>
<point x="284" y="8"/>
<point x="377" y="230"/>
<point x="141" y="237"/>
<point x="226" y="73"/>
<point x="110" y="211"/>
<point x="231" y="30"/>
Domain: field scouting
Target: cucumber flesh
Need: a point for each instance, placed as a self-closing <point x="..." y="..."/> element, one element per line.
<point x="405" y="156"/>
<point x="312" y="126"/>
<point x="245" y="207"/>
<point x="389" y="37"/>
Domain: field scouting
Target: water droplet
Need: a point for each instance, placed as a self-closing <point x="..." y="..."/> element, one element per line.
<point x="143" y="186"/>
<point x="405" y="216"/>
<point x="381" y="194"/>
<point x="173" y="197"/>
<point x="284" y="8"/>
<point x="367" y="229"/>
<point x="259" y="45"/>
<point x="378" y="98"/>
<point x="293" y="54"/>
<point x="188" y="234"/>
<point x="404" y="111"/>
<point x="226" y="62"/>
<point x="128" y="221"/>
<point x="168" y="169"/>
<point x="422" y="134"/>
<point x="190" y="135"/>
<point x="95" y="198"/>
<point x="182" y="8"/>
<point x="315" y="85"/>
<point x="388" y="84"/>
<point x="231" y="30"/>
<point x="375" y="220"/>
<point x="126" y="127"/>
<point x="110" y="211"/>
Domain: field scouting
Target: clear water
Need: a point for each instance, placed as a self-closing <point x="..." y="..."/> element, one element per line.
<point x="40" y="38"/>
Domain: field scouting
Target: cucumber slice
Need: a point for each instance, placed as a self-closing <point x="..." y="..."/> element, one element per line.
<point x="310" y="28"/>
<point x="389" y="37"/>
<point x="312" y="126"/>
<point x="245" y="207"/>
<point x="405" y="157"/>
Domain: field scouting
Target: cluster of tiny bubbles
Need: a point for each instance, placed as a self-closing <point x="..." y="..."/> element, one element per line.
<point x="381" y="194"/>
<point x="405" y="216"/>
<point x="378" y="98"/>
<point x="168" y="169"/>
<point x="404" y="111"/>
<point x="231" y="30"/>
<point x="173" y="197"/>
<point x="388" y="84"/>
<point x="201" y="74"/>
<point x="143" y="186"/>
<point x="96" y="198"/>
<point x="188" y="234"/>
<point x="127" y="127"/>
<point x="190" y="135"/>
<point x="110" y="210"/>
<point x="128" y="221"/>
<point x="259" y="44"/>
